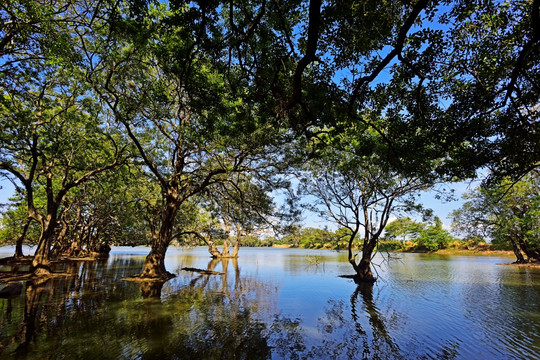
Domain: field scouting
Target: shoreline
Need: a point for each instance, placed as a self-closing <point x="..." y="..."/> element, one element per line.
<point x="465" y="252"/>
<point x="472" y="252"/>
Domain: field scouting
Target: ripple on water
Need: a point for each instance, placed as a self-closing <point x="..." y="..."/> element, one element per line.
<point x="468" y="305"/>
<point x="424" y="306"/>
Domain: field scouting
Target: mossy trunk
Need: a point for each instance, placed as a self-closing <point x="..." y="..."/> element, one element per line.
<point x="154" y="265"/>
<point x="41" y="261"/>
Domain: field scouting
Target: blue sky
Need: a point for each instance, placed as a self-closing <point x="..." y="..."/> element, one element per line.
<point x="6" y="191"/>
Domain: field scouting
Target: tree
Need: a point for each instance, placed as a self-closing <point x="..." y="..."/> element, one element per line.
<point x="359" y="193"/>
<point x="506" y="213"/>
<point x="190" y="113"/>
<point x="205" y="90"/>
<point x="403" y="229"/>
<point x="15" y="225"/>
<point x="424" y="236"/>
<point x="111" y="209"/>
<point x="52" y="139"/>
<point x="434" y="237"/>
<point x="313" y="238"/>
<point x="242" y="206"/>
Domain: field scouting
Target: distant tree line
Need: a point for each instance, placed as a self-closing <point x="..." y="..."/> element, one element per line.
<point x="506" y="213"/>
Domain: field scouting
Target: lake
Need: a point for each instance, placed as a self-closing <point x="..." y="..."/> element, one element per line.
<point x="274" y="303"/>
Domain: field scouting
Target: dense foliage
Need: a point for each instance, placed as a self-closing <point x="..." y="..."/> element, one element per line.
<point x="149" y="122"/>
<point x="405" y="234"/>
<point x="506" y="213"/>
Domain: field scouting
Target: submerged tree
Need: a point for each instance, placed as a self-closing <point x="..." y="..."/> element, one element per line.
<point x="108" y="210"/>
<point x="53" y="134"/>
<point x="359" y="193"/>
<point x="51" y="139"/>
<point x="191" y="113"/>
<point x="243" y="206"/>
<point x="205" y="90"/>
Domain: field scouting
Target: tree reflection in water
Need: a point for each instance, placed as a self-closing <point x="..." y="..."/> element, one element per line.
<point x="33" y="320"/>
<point x="358" y="330"/>
<point x="210" y="318"/>
<point x="381" y="341"/>
<point x="93" y="314"/>
<point x="356" y="333"/>
<point x="151" y="289"/>
<point x="30" y="317"/>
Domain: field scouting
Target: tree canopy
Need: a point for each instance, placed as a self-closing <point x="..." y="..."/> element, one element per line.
<point x="506" y="213"/>
<point x="172" y="102"/>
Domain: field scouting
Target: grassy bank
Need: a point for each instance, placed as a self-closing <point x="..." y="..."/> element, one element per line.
<point x="453" y="248"/>
<point x="456" y="247"/>
<point x="473" y="252"/>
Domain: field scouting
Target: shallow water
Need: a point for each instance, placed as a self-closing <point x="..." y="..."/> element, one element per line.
<point x="277" y="304"/>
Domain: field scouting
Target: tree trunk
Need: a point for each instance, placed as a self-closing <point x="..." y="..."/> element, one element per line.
<point x="534" y="255"/>
<point x="41" y="261"/>
<point x="236" y="247"/>
<point x="212" y="249"/>
<point x="238" y="242"/>
<point x="92" y="246"/>
<point x="154" y="265"/>
<point x="75" y="248"/>
<point x="531" y="254"/>
<point x="61" y="238"/>
<point x="363" y="269"/>
<point x="225" y="250"/>
<point x="519" y="256"/>
<point x="363" y="272"/>
<point x="352" y="258"/>
<point x="18" y="245"/>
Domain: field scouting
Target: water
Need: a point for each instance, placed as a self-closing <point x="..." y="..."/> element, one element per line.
<point x="277" y="304"/>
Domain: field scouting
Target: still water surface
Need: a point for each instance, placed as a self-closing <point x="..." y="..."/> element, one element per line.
<point x="277" y="304"/>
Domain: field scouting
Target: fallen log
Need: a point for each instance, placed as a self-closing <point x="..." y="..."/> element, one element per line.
<point x="202" y="271"/>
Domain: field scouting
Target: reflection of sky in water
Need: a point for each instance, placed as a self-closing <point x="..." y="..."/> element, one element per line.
<point x="287" y="303"/>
